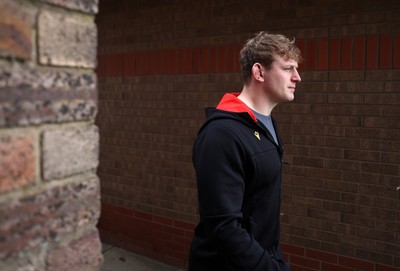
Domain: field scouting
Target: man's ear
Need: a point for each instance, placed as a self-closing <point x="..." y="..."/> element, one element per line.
<point x="257" y="71"/>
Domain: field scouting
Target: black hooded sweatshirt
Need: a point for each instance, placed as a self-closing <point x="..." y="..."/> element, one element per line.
<point x="238" y="169"/>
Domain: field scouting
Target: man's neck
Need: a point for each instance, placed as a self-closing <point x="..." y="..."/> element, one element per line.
<point x="256" y="100"/>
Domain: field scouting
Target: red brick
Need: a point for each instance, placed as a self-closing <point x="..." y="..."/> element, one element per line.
<point x="359" y="265"/>
<point x="142" y="215"/>
<point x="144" y="56"/>
<point x="323" y="54"/>
<point x="291" y="249"/>
<point x="180" y="61"/>
<point x="196" y="60"/>
<point x="163" y="220"/>
<point x="158" y="62"/>
<point x="184" y="241"/>
<point x="125" y="64"/>
<point x="381" y="267"/>
<point x="158" y="235"/>
<point x="372" y="52"/>
<point x="174" y="231"/>
<point x="99" y="66"/>
<point x="144" y="62"/>
<point x="116" y="209"/>
<point x="120" y="64"/>
<point x="108" y="64"/>
<point x="396" y="52"/>
<point x="136" y="63"/>
<point x="116" y="63"/>
<point x="385" y="51"/>
<point x="322" y="256"/>
<point x="111" y="65"/>
<point x="105" y="65"/>
<point x="314" y="264"/>
<point x="212" y="68"/>
<point x="334" y="54"/>
<point x="172" y="64"/>
<point x="332" y="267"/>
<point x="151" y="63"/>
<point x="132" y="65"/>
<point x="184" y="225"/>
<point x="377" y="256"/>
<point x="17" y="161"/>
<point x="297" y="268"/>
<point x="311" y="48"/>
<point x="221" y="59"/>
<point x="188" y="60"/>
<point x="204" y="60"/>
<point x="230" y="67"/>
<point x="236" y="62"/>
<point x="301" y="44"/>
<point x="359" y="53"/>
<point x="166" y="56"/>
<point x="346" y="63"/>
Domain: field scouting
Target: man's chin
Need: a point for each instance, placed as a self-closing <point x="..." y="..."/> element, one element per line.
<point x="290" y="98"/>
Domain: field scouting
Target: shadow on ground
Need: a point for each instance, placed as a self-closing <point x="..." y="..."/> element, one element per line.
<point x="118" y="259"/>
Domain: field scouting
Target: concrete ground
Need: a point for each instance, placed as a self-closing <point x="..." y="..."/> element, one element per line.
<point x="118" y="259"/>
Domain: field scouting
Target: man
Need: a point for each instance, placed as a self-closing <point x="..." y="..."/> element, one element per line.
<point x="238" y="157"/>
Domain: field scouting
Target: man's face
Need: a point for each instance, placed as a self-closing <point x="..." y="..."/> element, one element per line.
<point x="280" y="80"/>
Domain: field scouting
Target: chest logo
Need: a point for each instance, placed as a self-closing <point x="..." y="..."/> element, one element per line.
<point x="257" y="134"/>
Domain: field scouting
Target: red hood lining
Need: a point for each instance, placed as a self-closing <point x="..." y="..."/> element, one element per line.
<point x="231" y="103"/>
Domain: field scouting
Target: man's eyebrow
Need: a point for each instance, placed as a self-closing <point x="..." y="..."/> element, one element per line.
<point x="291" y="66"/>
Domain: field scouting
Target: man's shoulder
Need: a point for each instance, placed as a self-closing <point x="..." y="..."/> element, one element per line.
<point x="224" y="132"/>
<point x="223" y="125"/>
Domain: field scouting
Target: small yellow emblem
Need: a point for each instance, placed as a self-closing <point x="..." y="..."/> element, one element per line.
<point x="256" y="134"/>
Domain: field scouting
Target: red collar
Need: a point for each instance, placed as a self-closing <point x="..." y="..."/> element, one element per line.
<point x="231" y="103"/>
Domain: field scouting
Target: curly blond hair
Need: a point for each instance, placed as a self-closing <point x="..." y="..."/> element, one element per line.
<point x="263" y="49"/>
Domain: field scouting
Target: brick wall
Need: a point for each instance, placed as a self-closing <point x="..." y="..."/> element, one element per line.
<point x="49" y="191"/>
<point x="162" y="62"/>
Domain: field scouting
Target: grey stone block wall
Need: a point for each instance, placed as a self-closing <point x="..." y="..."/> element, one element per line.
<point x="49" y="190"/>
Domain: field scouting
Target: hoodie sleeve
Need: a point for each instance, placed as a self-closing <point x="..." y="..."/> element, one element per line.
<point x="219" y="160"/>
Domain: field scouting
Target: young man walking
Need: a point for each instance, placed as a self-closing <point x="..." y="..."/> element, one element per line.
<point x="238" y="158"/>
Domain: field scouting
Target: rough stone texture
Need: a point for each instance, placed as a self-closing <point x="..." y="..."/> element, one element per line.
<point x="25" y="77"/>
<point x="47" y="59"/>
<point x="34" y="259"/>
<point x="81" y="254"/>
<point x="90" y="6"/>
<point x="45" y="111"/>
<point x="69" y="151"/>
<point x="48" y="215"/>
<point x="72" y="42"/>
<point x="17" y="161"/>
<point x="15" y="30"/>
<point x="34" y="96"/>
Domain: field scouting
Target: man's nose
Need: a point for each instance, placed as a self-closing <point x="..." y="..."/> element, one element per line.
<point x="296" y="76"/>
